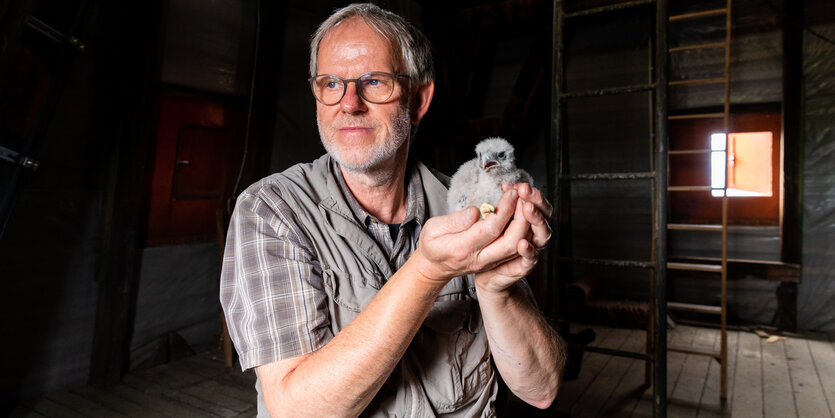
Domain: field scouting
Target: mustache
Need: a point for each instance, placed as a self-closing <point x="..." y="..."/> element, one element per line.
<point x="347" y="121"/>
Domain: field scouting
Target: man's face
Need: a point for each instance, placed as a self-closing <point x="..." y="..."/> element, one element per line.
<point x="360" y="135"/>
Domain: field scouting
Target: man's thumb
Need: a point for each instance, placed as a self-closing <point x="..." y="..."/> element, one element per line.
<point x="464" y="219"/>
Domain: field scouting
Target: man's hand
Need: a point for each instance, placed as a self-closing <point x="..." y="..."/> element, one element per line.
<point x="530" y="232"/>
<point x="459" y="244"/>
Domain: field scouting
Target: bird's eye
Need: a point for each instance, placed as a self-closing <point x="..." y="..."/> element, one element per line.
<point x="501" y="154"/>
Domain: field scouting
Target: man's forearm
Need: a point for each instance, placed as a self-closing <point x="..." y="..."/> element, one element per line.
<point x="529" y="354"/>
<point x="341" y="378"/>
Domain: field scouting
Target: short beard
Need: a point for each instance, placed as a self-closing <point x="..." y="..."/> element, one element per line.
<point x="382" y="155"/>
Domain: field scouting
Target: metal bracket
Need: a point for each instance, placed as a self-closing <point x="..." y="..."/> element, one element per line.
<point x="14" y="157"/>
<point x="39" y="26"/>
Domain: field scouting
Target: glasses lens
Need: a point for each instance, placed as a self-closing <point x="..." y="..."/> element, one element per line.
<point x="376" y="87"/>
<point x="328" y="89"/>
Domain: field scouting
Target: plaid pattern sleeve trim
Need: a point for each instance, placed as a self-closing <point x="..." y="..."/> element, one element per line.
<point x="271" y="285"/>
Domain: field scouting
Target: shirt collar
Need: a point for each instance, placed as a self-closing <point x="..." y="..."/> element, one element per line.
<point x="415" y="200"/>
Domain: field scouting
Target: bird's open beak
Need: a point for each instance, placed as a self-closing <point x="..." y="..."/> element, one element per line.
<point x="488" y="164"/>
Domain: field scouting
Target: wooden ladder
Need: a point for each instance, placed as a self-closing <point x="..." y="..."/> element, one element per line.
<point x="722" y="268"/>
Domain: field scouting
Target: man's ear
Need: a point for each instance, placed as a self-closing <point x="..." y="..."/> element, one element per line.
<point x="421" y="100"/>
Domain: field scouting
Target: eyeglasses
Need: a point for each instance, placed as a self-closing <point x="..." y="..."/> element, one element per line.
<point x="374" y="87"/>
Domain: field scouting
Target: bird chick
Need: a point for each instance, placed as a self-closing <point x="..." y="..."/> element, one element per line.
<point x="478" y="182"/>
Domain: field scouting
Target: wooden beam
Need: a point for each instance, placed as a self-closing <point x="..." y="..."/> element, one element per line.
<point x="792" y="144"/>
<point x="128" y="75"/>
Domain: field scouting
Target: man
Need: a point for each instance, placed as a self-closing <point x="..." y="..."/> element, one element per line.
<point x="326" y="287"/>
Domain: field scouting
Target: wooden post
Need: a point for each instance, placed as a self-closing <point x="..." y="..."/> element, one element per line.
<point x="792" y="148"/>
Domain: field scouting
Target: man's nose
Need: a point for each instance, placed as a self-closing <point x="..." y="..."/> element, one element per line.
<point x="351" y="101"/>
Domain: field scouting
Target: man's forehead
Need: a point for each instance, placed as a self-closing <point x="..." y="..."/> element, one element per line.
<point x="354" y="39"/>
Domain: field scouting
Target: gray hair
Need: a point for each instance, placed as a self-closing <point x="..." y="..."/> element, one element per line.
<point x="407" y="42"/>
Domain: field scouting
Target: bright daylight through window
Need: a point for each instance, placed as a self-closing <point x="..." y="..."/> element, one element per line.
<point x="748" y="157"/>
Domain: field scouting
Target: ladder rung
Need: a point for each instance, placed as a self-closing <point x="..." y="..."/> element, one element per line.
<point x="609" y="92"/>
<point x="692" y="307"/>
<point x="695" y="267"/>
<point x="694" y="227"/>
<point x="604" y="262"/>
<point x="603" y="350"/>
<point x="610" y="176"/>
<point x="697" y="116"/>
<point x="689" y="188"/>
<point x="697" y="351"/>
<point x="610" y="8"/>
<point x="696" y="15"/>
<point x="689" y="151"/>
<point x="711" y="45"/>
<point x="713" y="80"/>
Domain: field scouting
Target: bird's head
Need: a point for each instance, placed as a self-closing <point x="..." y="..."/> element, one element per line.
<point x="495" y="155"/>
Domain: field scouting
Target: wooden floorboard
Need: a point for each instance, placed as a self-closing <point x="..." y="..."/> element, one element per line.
<point x="685" y="383"/>
<point x="823" y="353"/>
<point x="84" y="406"/>
<point x="643" y="406"/>
<point x="589" y="404"/>
<point x="792" y="377"/>
<point x="630" y="385"/>
<point x="48" y="408"/>
<point x="176" y="395"/>
<point x="690" y="387"/>
<point x="591" y="366"/>
<point x="24" y="412"/>
<point x="808" y="394"/>
<point x="747" y="400"/>
<point x="160" y="405"/>
<point x="711" y="405"/>
<point x="778" y="400"/>
<point x="764" y="378"/>
<point x="110" y="399"/>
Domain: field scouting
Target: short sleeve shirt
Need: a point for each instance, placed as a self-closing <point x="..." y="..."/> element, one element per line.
<point x="271" y="281"/>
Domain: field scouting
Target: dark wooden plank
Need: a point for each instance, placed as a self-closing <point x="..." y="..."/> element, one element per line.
<point x="49" y="408"/>
<point x="210" y="360"/>
<point x="236" y="387"/>
<point x="229" y="376"/>
<point x="711" y="405"/>
<point x="592" y="364"/>
<point x="733" y="355"/>
<point x="823" y="354"/>
<point x="252" y="413"/>
<point x="109" y="399"/>
<point x="681" y="336"/>
<point x="197" y="368"/>
<point x="211" y="391"/>
<point x="24" y="412"/>
<point x="153" y="388"/>
<point x="689" y="391"/>
<point x="643" y="408"/>
<point x="161" y="405"/>
<point x="748" y="391"/>
<point x="169" y="375"/>
<point x="214" y="356"/>
<point x="122" y="220"/>
<point x="84" y="406"/>
<point x="778" y="401"/>
<point x="630" y="386"/>
<point x="590" y="402"/>
<point x="808" y="394"/>
<point x="686" y="390"/>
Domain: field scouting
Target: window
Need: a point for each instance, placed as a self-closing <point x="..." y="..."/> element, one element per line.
<point x="748" y="156"/>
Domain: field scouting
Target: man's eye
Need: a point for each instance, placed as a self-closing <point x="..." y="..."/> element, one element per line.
<point x="332" y="84"/>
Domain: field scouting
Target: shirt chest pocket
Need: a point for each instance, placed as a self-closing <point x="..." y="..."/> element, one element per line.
<point x="348" y="294"/>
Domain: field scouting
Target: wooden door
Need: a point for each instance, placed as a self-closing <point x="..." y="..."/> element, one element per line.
<point x="199" y="142"/>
